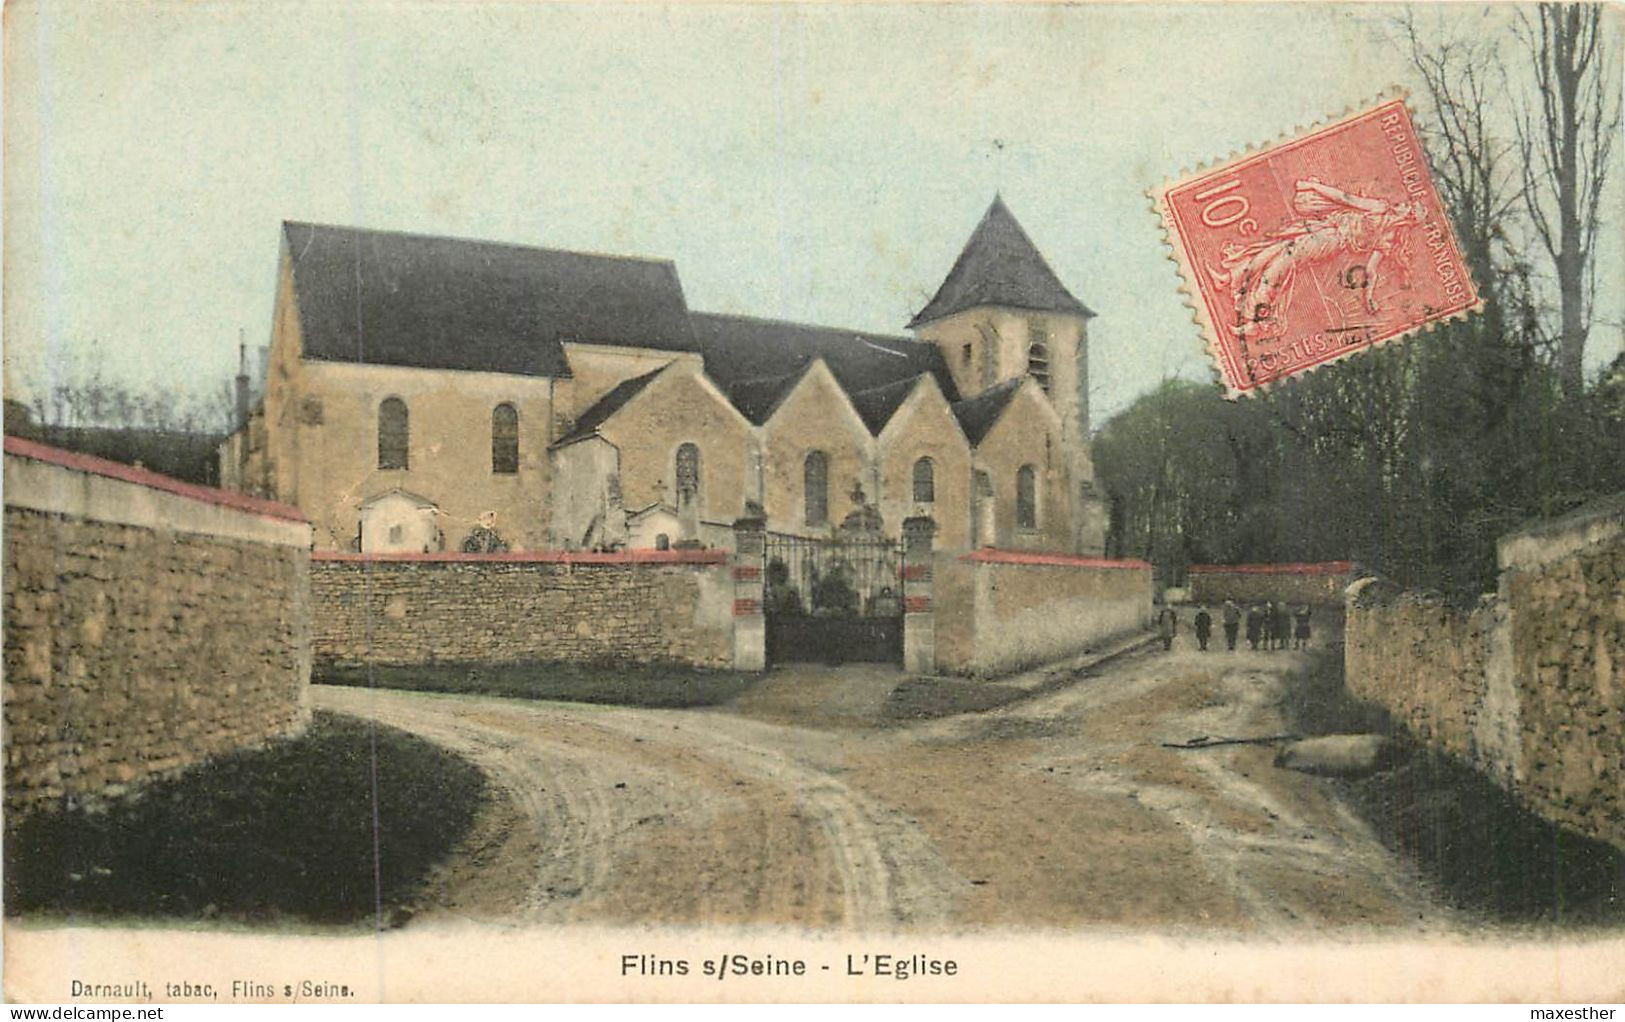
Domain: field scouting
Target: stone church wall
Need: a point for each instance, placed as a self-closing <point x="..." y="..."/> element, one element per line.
<point x="328" y="445"/>
<point x="924" y="427"/>
<point x="997" y="611"/>
<point x="149" y="624"/>
<point x="816" y="415"/>
<point x="680" y="407"/>
<point x="1027" y="434"/>
<point x="644" y="606"/>
<point x="1527" y="686"/>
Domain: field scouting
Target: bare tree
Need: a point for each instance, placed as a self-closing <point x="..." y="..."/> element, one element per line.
<point x="1566" y="135"/>
<point x="1473" y="148"/>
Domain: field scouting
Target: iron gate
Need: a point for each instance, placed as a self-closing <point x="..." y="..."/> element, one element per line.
<point x="833" y="600"/>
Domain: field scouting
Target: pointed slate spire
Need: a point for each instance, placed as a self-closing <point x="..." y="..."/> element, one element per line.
<point x="1000" y="266"/>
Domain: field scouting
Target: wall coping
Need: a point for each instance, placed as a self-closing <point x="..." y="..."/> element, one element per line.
<point x="1541" y="543"/>
<point x="50" y="481"/>
<point x="93" y="465"/>
<point x="993" y="555"/>
<point x="529" y="557"/>
<point x="1317" y="568"/>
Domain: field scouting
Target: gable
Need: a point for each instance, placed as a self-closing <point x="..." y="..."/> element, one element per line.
<point x="601" y="410"/>
<point x="397" y="499"/>
<point x="673" y="392"/>
<point x="818" y="398"/>
<point x="1027" y="410"/>
<point x="924" y="409"/>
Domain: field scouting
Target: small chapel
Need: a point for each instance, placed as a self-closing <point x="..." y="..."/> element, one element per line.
<point x="426" y="394"/>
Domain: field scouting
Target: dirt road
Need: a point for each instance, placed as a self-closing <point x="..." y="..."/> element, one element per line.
<point x="1058" y="812"/>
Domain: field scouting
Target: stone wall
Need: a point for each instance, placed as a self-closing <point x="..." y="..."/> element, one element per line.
<point x="1526" y="686"/>
<point x="1422" y="659"/>
<point x="997" y="611"/>
<point x="643" y="606"/>
<point x="149" y="624"/>
<point x="1254" y="583"/>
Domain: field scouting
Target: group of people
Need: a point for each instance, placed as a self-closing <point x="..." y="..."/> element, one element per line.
<point x="1270" y="623"/>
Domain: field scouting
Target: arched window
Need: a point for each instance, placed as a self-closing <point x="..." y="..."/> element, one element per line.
<point x="1038" y="352"/>
<point x="504" y="440"/>
<point x="1026" y="498"/>
<point x="815" y="482"/>
<point x="688" y="475"/>
<point x="925" y="482"/>
<point x="394" y="436"/>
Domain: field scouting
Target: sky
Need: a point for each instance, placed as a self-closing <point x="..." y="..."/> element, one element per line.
<point x="821" y="163"/>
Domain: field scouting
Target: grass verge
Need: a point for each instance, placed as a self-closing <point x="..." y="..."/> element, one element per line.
<point x="286" y="831"/>
<point x="664" y="686"/>
<point x="1468" y="837"/>
<point x="925" y="698"/>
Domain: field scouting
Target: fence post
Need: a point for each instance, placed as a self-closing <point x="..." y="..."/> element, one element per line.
<point x="750" y="627"/>
<point x="919" y="625"/>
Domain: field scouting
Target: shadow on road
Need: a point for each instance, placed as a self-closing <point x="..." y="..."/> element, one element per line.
<point x="1470" y="839"/>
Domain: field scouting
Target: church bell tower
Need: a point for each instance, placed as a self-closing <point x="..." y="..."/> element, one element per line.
<point x="1002" y="313"/>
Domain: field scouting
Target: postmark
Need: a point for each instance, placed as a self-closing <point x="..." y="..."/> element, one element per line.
<point x="1317" y="248"/>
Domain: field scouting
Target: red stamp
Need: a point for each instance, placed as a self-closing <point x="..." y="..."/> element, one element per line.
<point x="1316" y="248"/>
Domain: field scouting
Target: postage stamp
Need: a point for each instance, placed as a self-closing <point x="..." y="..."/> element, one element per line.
<point x="1317" y="248"/>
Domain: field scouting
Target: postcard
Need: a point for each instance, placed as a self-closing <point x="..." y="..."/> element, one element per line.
<point x="841" y="502"/>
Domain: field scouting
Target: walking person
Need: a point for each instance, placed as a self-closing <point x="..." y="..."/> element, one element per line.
<point x="1255" y="624"/>
<point x="1269" y="624"/>
<point x="1300" y="632"/>
<point x="1204" y="627"/>
<point x="1283" y="625"/>
<point x="1232" y="624"/>
<point x="1167" y="624"/>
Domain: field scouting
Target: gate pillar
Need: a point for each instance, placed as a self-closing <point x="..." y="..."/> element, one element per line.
<point x="919" y="625"/>
<point x="750" y="626"/>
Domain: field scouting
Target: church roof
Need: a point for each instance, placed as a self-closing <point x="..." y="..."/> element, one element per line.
<point x="877" y="405"/>
<point x="389" y="298"/>
<point x="756" y="399"/>
<point x="758" y="361"/>
<point x="606" y="406"/>
<point x="1000" y="265"/>
<point x="978" y="414"/>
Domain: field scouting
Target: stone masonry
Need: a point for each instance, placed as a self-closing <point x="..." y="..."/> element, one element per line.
<point x="1527" y="686"/>
<point x="1423" y="660"/>
<point x="645" y="607"/>
<point x="1318" y="583"/>
<point x="134" y="650"/>
<point x="1565" y="611"/>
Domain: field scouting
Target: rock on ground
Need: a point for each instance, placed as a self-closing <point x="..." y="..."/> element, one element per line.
<point x="1338" y="755"/>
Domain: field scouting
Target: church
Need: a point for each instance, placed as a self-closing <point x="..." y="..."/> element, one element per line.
<point x="427" y="394"/>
